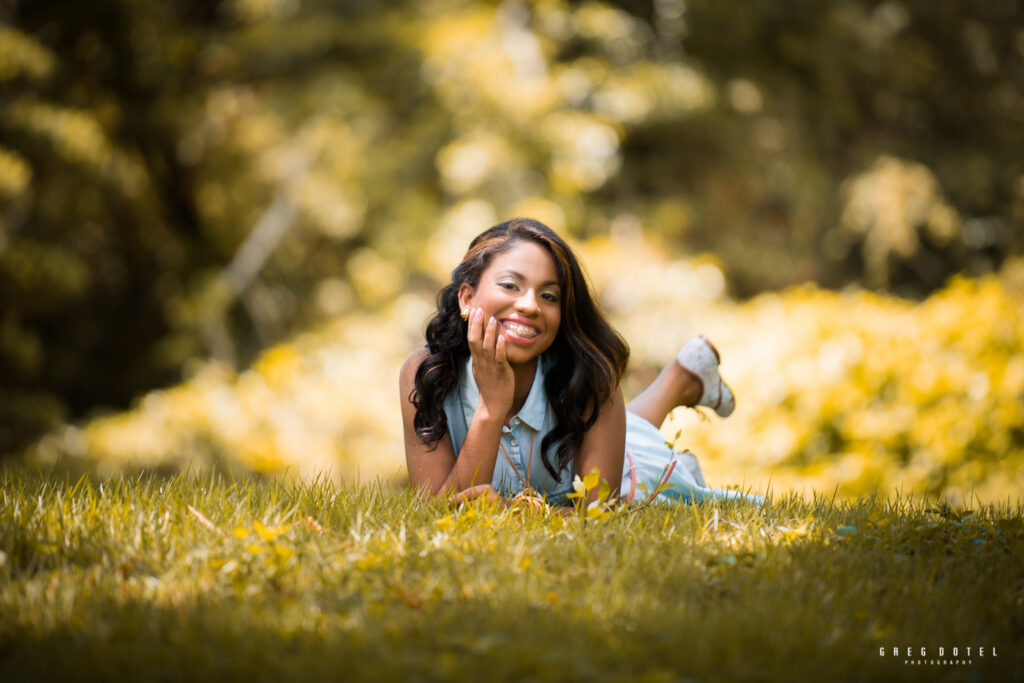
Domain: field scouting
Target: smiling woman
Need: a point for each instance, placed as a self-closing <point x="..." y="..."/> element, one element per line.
<point x="518" y="349"/>
<point x="527" y="307"/>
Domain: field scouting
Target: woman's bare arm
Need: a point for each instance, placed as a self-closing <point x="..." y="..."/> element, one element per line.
<point x="429" y="470"/>
<point x="438" y="470"/>
<point x="604" y="445"/>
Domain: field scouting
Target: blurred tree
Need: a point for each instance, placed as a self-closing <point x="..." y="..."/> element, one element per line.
<point x="98" y="234"/>
<point x="811" y="94"/>
<point x="136" y="150"/>
<point x="189" y="179"/>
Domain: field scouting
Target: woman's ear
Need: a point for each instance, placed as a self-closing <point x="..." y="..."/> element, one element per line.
<point x="465" y="297"/>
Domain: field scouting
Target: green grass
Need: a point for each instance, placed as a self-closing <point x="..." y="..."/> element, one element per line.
<point x="268" y="580"/>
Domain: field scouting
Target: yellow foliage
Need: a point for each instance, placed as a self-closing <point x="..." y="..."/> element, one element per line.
<point x="15" y="174"/>
<point x="76" y="132"/>
<point x="22" y="54"/>
<point x="871" y="393"/>
<point x="854" y="390"/>
<point x="77" y="135"/>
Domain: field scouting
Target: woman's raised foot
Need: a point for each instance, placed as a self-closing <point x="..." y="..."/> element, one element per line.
<point x="700" y="358"/>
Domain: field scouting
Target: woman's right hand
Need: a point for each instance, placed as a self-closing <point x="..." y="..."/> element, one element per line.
<point x="491" y="368"/>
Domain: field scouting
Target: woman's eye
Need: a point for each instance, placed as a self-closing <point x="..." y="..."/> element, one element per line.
<point x="550" y="297"/>
<point x="507" y="285"/>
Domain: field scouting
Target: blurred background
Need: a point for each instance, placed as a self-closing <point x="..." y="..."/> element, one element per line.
<point x="223" y="223"/>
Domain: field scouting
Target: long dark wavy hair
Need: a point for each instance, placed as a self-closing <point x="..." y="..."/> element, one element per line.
<point x="588" y="357"/>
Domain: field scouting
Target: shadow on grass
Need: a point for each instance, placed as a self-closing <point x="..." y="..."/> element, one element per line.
<point x="722" y="621"/>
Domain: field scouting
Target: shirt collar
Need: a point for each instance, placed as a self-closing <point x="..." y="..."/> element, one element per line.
<point x="534" y="409"/>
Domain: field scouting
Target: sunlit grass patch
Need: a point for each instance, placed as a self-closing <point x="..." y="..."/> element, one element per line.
<point x="203" y="577"/>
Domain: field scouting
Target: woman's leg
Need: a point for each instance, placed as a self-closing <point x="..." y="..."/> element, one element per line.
<point x="674" y="386"/>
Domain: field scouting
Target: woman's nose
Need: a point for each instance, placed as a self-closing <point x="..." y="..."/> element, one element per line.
<point x="527" y="303"/>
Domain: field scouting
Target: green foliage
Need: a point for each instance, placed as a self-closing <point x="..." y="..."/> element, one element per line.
<point x="206" y="577"/>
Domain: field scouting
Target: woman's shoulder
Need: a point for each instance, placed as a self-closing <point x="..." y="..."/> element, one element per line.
<point x="412" y="364"/>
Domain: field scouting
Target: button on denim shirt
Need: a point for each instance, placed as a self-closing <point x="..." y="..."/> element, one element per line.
<point x="531" y="424"/>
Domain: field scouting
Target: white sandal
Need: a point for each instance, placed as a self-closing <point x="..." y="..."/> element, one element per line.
<point x="700" y="358"/>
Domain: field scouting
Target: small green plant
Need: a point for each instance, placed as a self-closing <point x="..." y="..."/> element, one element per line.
<point x="601" y="506"/>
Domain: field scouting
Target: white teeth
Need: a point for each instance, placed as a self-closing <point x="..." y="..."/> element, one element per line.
<point x="520" y="330"/>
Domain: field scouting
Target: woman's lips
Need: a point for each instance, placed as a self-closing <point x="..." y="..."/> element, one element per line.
<point x="514" y="336"/>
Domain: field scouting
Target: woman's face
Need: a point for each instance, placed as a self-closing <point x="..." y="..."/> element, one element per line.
<point x="520" y="289"/>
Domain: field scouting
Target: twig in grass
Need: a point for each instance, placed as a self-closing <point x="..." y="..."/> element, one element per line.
<point x="203" y="520"/>
<point x="411" y="599"/>
<point x="522" y="481"/>
<point x="662" y="485"/>
<point x="314" y="525"/>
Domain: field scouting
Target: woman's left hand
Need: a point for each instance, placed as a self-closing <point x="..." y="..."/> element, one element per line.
<point x="531" y="502"/>
<point x="474" y="492"/>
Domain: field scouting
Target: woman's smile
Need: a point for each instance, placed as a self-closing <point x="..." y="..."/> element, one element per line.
<point x="520" y="331"/>
<point x="520" y="290"/>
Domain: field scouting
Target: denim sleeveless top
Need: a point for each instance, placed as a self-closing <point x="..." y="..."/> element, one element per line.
<point x="522" y="436"/>
<point x="648" y="459"/>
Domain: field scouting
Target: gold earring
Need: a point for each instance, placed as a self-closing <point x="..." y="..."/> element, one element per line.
<point x="465" y="314"/>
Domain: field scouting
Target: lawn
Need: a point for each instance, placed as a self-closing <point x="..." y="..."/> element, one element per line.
<point x="204" y="577"/>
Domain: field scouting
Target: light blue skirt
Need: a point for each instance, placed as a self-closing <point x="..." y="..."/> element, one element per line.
<point x="649" y="458"/>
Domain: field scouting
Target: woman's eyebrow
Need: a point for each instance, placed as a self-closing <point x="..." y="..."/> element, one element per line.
<point x="519" y="276"/>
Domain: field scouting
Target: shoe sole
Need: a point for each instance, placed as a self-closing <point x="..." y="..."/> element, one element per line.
<point x="718" y="356"/>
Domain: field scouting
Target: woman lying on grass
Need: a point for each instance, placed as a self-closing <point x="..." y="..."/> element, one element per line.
<point x="518" y="387"/>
